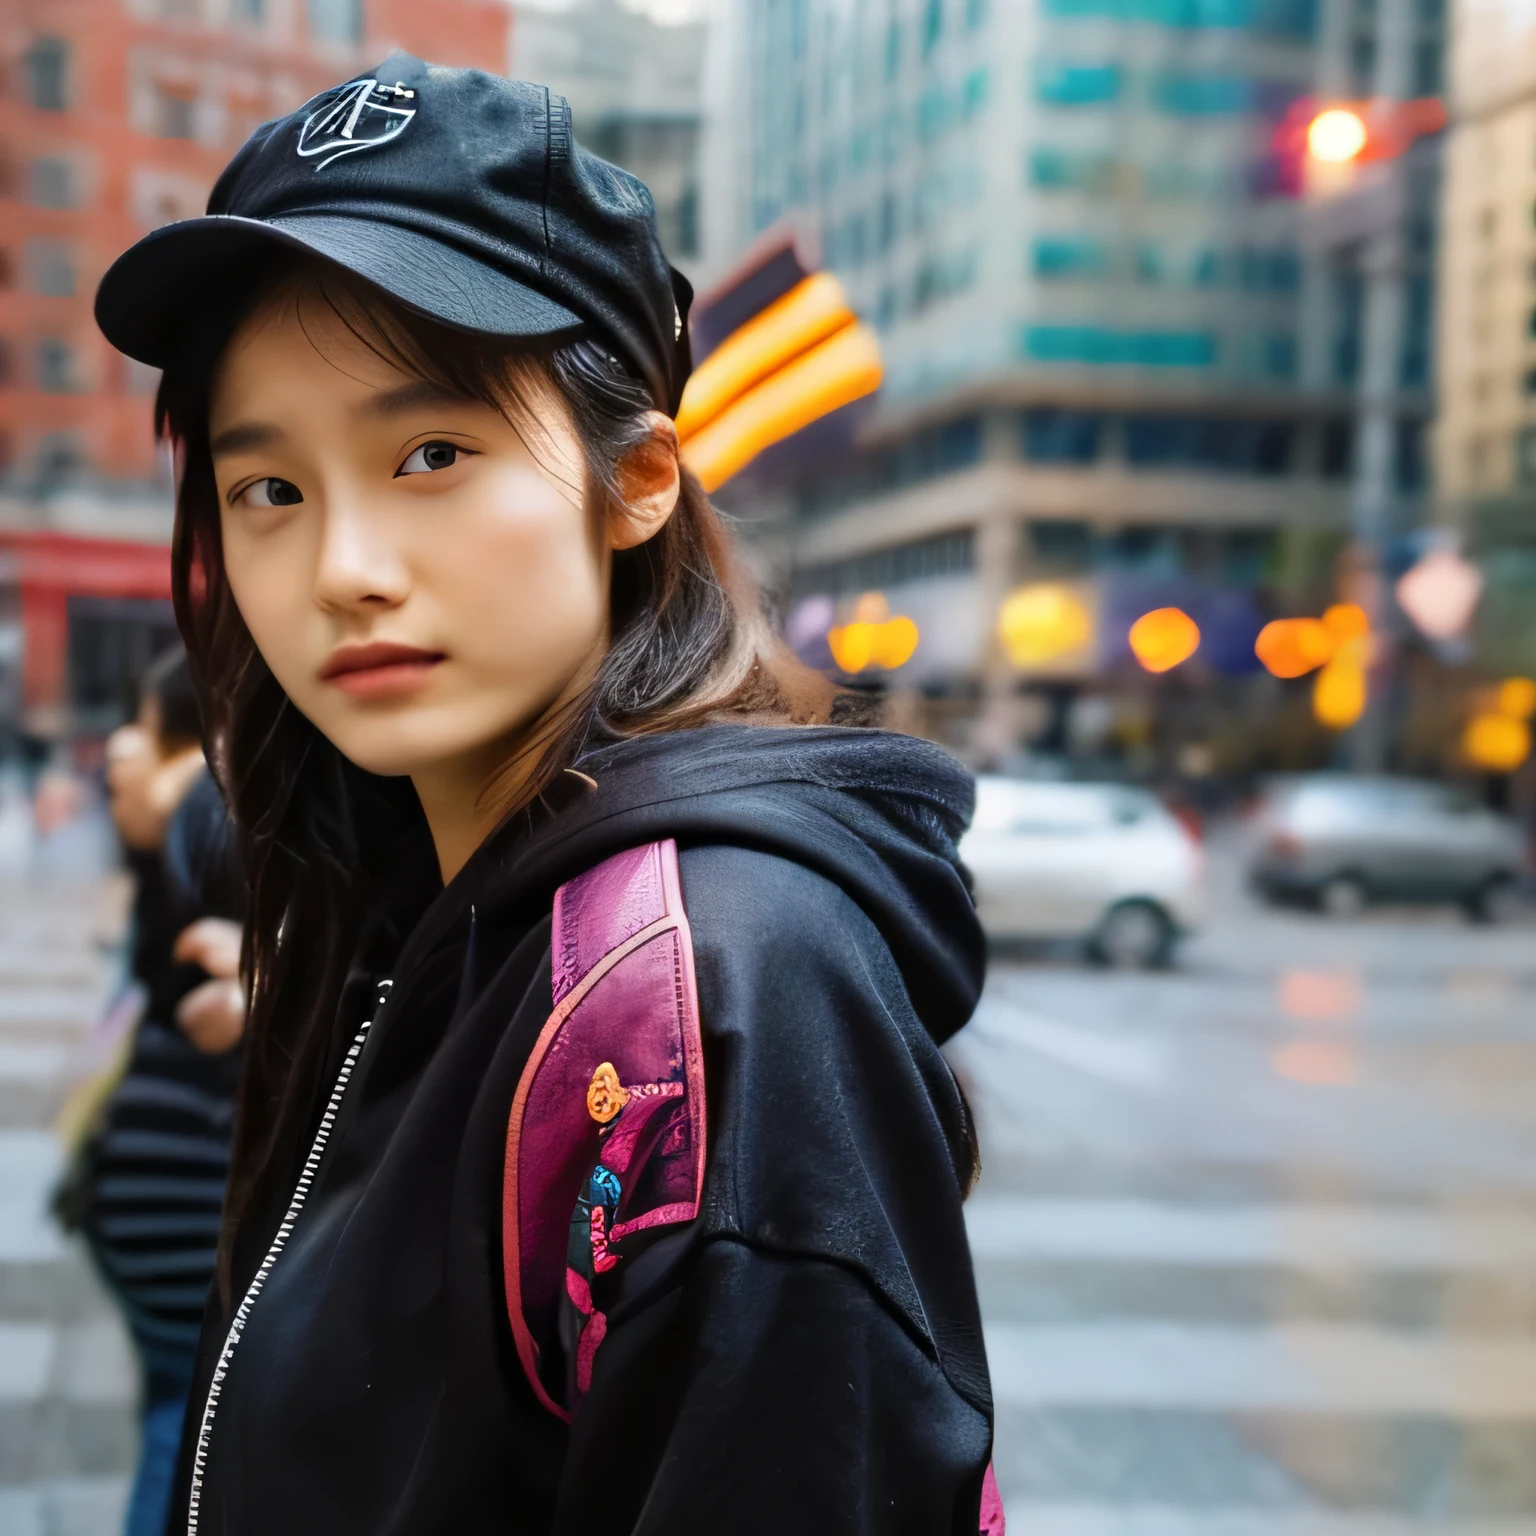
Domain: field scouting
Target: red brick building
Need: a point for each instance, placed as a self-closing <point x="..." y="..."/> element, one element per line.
<point x="116" y="116"/>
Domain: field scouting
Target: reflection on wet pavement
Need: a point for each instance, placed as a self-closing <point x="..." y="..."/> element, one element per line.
<point x="1256" y="1238"/>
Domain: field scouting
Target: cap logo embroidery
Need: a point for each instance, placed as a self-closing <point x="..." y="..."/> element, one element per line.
<point x="353" y="117"/>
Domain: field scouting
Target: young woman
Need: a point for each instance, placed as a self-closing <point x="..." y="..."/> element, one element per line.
<point x="596" y="1168"/>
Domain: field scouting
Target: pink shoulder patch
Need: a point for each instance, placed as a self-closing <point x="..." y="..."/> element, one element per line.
<point x="607" y="1132"/>
<point x="992" y="1520"/>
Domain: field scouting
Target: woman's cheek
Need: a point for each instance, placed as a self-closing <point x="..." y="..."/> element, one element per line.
<point x="272" y="599"/>
<point x="529" y="585"/>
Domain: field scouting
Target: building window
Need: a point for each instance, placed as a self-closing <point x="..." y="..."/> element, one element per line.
<point x="55" y="367"/>
<point x="59" y="457"/>
<point x="933" y="25"/>
<point x="1061" y="170"/>
<point x="1349" y="313"/>
<point x="174" y="112"/>
<point x="928" y="454"/>
<point x="1204" y="95"/>
<point x="1278" y="360"/>
<point x="336" y="21"/>
<point x="1076" y="85"/>
<point x="1057" y="256"/>
<point x="1062" y="437"/>
<point x="47" y="70"/>
<point x="51" y="268"/>
<point x="946" y="554"/>
<point x="1061" y="547"/>
<point x="1099" y="346"/>
<point x="1337" y="458"/>
<point x="1223" y="445"/>
<point x="51" y="183"/>
<point x="975" y="92"/>
<point x="1427" y="71"/>
<point x="1417" y="323"/>
<point x="1362" y="64"/>
<point x="1408" y="456"/>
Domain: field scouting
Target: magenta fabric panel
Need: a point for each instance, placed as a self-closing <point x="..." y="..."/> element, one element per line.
<point x="596" y="912"/>
<point x="625" y="998"/>
<point x="992" y="1520"/>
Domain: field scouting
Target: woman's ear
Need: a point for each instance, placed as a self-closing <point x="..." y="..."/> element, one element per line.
<point x="650" y="483"/>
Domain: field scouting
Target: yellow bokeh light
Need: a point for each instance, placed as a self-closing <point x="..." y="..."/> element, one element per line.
<point x="1339" y="694"/>
<point x="1496" y="743"/>
<point x="1043" y="623"/>
<point x="1336" y="136"/>
<point x="1517" y="698"/>
<point x="873" y="638"/>
<point x="1160" y="640"/>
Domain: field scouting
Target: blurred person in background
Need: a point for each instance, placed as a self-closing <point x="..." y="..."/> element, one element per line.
<point x="148" y="1184"/>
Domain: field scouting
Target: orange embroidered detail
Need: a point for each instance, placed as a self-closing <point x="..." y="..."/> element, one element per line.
<point x="606" y="1096"/>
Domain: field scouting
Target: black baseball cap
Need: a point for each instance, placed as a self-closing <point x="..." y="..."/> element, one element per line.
<point x="461" y="193"/>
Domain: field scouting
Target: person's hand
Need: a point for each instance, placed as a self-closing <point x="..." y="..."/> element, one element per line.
<point x="212" y="1015"/>
<point x="211" y="942"/>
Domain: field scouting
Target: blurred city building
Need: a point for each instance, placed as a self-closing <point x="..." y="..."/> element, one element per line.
<point x="1118" y="365"/>
<point x="1485" y="438"/>
<point x="634" y="88"/>
<point x="116" y="116"/>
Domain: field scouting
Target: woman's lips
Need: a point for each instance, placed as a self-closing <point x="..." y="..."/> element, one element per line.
<point x="379" y="670"/>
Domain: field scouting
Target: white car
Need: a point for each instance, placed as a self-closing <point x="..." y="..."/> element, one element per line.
<point x="1102" y="863"/>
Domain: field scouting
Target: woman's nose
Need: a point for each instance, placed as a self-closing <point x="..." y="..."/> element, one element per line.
<point x="359" y="565"/>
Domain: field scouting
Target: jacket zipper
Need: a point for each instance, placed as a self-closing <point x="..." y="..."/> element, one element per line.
<point x="285" y="1229"/>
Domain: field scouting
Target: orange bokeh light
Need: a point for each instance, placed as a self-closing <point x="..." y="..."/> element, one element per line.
<point x="1160" y="640"/>
<point x="1346" y="621"/>
<point x="1294" y="647"/>
<point x="874" y="637"/>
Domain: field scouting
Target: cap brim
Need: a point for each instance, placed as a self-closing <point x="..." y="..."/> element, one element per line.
<point x="154" y="288"/>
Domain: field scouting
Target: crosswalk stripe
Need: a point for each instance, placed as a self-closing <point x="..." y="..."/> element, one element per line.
<point x="1294" y="1236"/>
<point x="1296" y="1367"/>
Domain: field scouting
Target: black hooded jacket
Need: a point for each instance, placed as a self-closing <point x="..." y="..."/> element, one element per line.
<point x="806" y="1356"/>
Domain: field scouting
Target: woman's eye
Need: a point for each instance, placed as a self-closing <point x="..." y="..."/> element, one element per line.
<point x="271" y="492"/>
<point x="430" y="456"/>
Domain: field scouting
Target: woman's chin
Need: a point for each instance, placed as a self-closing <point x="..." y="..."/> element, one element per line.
<point x="422" y="743"/>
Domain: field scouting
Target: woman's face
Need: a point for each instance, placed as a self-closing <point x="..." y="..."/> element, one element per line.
<point x="421" y="581"/>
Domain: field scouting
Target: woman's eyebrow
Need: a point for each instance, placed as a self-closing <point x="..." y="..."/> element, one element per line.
<point x="245" y="437"/>
<point x="408" y="397"/>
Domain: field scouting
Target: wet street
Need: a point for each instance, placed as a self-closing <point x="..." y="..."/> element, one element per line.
<point x="1256" y="1237"/>
<point x="67" y="1380"/>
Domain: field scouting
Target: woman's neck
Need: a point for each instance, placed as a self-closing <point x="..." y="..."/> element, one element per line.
<point x="465" y="798"/>
<point x="454" y="801"/>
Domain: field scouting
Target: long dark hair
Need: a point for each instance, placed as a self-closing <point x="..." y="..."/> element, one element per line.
<point x="689" y="642"/>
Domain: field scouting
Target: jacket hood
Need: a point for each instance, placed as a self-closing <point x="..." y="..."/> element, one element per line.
<point x="877" y="813"/>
